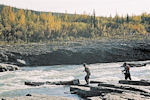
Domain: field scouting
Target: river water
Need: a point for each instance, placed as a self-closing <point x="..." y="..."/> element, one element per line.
<point x="12" y="83"/>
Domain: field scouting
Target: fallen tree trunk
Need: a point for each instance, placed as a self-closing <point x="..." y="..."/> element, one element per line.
<point x="34" y="83"/>
<point x="136" y="64"/>
<point x="72" y="82"/>
<point x="130" y="82"/>
<point x="93" y="82"/>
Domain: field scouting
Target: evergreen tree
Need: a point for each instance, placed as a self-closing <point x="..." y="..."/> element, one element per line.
<point x="127" y="18"/>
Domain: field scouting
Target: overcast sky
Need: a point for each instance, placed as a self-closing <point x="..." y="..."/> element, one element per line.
<point x="102" y="7"/>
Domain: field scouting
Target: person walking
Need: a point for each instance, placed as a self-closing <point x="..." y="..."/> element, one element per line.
<point x="87" y="70"/>
<point x="126" y="71"/>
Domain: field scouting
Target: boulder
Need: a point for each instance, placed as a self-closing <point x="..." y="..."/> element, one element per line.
<point x="8" y="67"/>
<point x="94" y="98"/>
<point x="106" y="91"/>
<point x="92" y="91"/>
<point x="3" y="57"/>
<point x="21" y="62"/>
<point x="84" y="92"/>
<point x="124" y="87"/>
<point x="28" y="95"/>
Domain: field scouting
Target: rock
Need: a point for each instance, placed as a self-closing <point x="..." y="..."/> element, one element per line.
<point x="8" y="67"/>
<point x="21" y="62"/>
<point x="84" y="92"/>
<point x="124" y="87"/>
<point x="130" y="82"/>
<point x="11" y="57"/>
<point x="94" y="98"/>
<point x="2" y="69"/>
<point x="106" y="89"/>
<point x="28" y="95"/>
<point x="91" y="91"/>
<point x="3" y="57"/>
<point x="72" y="82"/>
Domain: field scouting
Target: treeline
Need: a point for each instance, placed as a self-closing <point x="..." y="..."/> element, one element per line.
<point x="18" y="25"/>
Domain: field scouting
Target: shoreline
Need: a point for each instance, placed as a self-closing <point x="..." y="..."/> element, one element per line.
<point x="37" y="97"/>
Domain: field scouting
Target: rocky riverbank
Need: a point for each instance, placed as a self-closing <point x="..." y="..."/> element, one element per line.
<point x="75" y="52"/>
<point x="8" y="67"/>
<point x="98" y="90"/>
<point x="108" y="91"/>
<point x="37" y="97"/>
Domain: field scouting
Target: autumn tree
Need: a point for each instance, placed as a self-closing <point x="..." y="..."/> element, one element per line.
<point x="18" y="25"/>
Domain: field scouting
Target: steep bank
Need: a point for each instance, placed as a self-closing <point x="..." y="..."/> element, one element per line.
<point x="75" y="52"/>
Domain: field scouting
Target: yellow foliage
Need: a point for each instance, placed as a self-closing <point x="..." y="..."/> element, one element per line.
<point x="53" y="24"/>
<point x="43" y="17"/>
<point x="29" y="13"/>
<point x="21" y="12"/>
<point x="85" y="16"/>
<point x="138" y="27"/>
<point x="21" y="17"/>
<point x="137" y="18"/>
<point x="11" y="15"/>
<point x="22" y="20"/>
<point x="34" y="17"/>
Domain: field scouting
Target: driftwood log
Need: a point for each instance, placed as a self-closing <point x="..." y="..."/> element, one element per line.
<point x="130" y="82"/>
<point x="136" y="64"/>
<point x="72" y="82"/>
<point x="93" y="82"/>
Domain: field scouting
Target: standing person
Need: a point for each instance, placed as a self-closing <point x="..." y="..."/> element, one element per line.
<point x="126" y="71"/>
<point x="87" y="70"/>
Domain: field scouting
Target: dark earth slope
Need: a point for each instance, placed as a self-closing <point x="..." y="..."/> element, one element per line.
<point x="75" y="52"/>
